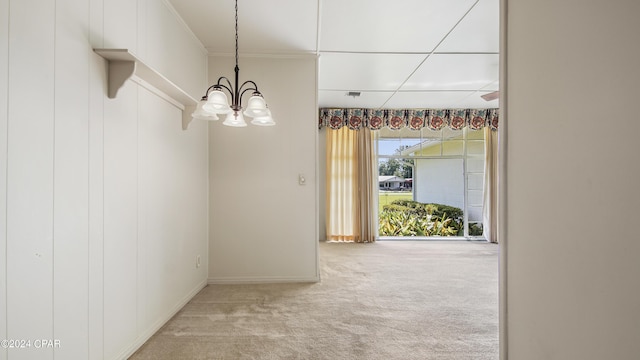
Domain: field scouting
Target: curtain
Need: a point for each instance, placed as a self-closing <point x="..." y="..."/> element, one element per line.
<point x="351" y="201"/>
<point x="367" y="182"/>
<point x="490" y="196"/>
<point x="414" y="119"/>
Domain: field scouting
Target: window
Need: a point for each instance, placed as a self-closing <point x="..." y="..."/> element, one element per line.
<point x="431" y="182"/>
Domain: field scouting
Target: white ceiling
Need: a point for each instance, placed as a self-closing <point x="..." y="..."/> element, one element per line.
<point x="398" y="54"/>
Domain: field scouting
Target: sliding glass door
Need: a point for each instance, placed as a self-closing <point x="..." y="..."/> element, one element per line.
<point x="430" y="183"/>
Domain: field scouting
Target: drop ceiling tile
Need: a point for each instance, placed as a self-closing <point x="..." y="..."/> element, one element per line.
<point x="478" y="32"/>
<point x="272" y="27"/>
<point x="423" y="99"/>
<point x="365" y="71"/>
<point x="339" y="99"/>
<point x="494" y="86"/>
<point x="455" y="72"/>
<point x="473" y="100"/>
<point x="388" y="26"/>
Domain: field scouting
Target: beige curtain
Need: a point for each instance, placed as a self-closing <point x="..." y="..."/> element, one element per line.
<point x="351" y="196"/>
<point x="490" y="200"/>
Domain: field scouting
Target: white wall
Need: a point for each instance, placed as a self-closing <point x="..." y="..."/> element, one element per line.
<point x="104" y="201"/>
<point x="440" y="181"/>
<point x="572" y="180"/>
<point x="263" y="225"/>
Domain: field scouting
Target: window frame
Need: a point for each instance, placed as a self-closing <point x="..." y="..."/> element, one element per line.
<point x="464" y="156"/>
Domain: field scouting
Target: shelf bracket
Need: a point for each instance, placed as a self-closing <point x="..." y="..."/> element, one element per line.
<point x="124" y="65"/>
<point x="119" y="73"/>
<point x="186" y="116"/>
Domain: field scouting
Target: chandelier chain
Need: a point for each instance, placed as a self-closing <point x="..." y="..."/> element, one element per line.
<point x="236" y="33"/>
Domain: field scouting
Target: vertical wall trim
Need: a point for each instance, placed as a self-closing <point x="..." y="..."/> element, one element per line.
<point x="53" y="180"/>
<point x="89" y="194"/>
<point x="97" y="89"/>
<point x="138" y="283"/>
<point x="102" y="199"/>
<point x="318" y="181"/>
<point x="139" y="322"/>
<point x="4" y="158"/>
<point x="102" y="216"/>
<point x="502" y="189"/>
<point x="89" y="188"/>
<point x="102" y="233"/>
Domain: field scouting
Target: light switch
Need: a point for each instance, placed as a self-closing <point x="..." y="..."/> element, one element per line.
<point x="301" y="179"/>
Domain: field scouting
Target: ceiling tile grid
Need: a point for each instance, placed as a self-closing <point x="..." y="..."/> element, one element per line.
<point x="400" y="54"/>
<point x="370" y="72"/>
<point x="386" y="26"/>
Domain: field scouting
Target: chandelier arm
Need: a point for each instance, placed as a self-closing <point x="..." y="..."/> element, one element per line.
<point x="206" y="93"/>
<point x="240" y="89"/>
<point x="230" y="90"/>
<point x="242" y="94"/>
<point x="225" y="79"/>
<point x="255" y="86"/>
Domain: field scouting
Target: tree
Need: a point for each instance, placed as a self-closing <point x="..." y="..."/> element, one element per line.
<point x="407" y="168"/>
<point x="397" y="167"/>
<point x="389" y="168"/>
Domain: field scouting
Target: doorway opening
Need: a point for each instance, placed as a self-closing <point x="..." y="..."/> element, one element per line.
<point x="431" y="183"/>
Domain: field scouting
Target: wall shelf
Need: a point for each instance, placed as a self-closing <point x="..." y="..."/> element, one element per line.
<point x="124" y="65"/>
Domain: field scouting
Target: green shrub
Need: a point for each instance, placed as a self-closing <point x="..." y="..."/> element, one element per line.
<point x="405" y="223"/>
<point x="395" y="207"/>
<point x="397" y="223"/>
<point x="412" y="218"/>
<point x="475" y="229"/>
<point x="428" y="208"/>
<point x="453" y="212"/>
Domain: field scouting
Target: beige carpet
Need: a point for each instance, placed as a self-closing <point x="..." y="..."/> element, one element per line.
<point x="387" y="300"/>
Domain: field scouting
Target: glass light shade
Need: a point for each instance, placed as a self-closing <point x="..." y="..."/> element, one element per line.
<point x="201" y="114"/>
<point x="266" y="120"/>
<point x="217" y="103"/>
<point x="256" y="107"/>
<point x="235" y="119"/>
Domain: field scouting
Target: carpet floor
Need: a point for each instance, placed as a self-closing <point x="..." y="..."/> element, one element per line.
<point x="387" y="300"/>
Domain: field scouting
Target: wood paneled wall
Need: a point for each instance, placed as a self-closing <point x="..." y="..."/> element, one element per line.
<point x="103" y="201"/>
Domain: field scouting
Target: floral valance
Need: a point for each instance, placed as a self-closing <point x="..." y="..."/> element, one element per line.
<point x="414" y="119"/>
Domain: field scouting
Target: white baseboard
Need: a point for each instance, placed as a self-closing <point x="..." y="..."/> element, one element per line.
<point x="262" y="280"/>
<point x="146" y="335"/>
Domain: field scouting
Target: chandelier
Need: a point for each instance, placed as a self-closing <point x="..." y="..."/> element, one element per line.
<point x="215" y="101"/>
